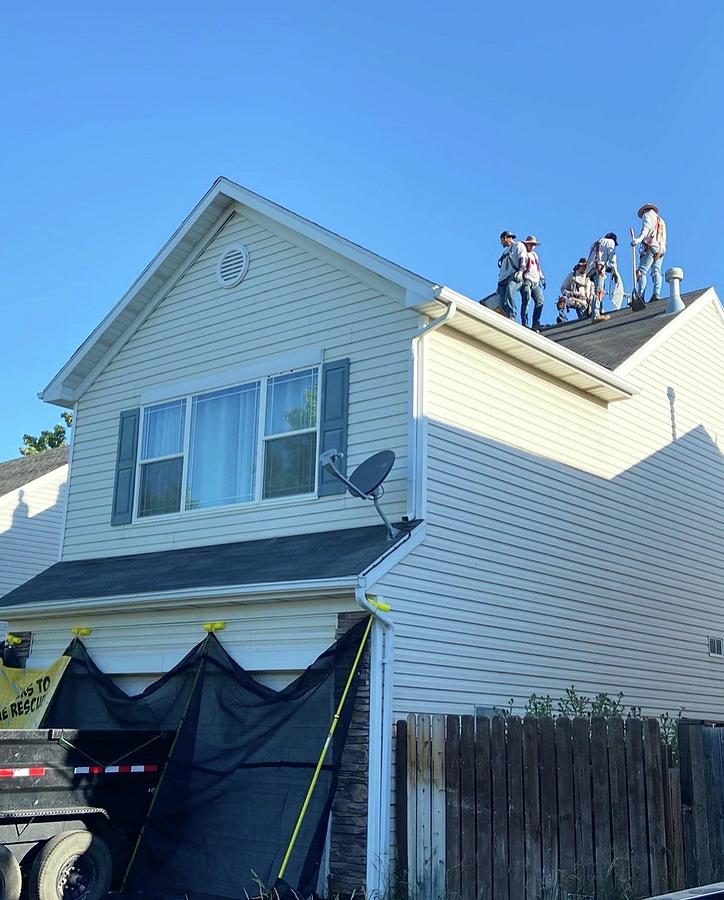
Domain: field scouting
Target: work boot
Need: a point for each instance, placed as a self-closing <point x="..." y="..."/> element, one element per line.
<point x="654" y="298"/>
<point x="601" y="317"/>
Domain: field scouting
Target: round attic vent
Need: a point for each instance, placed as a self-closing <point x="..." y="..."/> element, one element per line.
<point x="232" y="266"/>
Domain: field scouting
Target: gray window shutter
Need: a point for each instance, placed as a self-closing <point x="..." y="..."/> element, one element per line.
<point x="333" y="425"/>
<point x="122" y="512"/>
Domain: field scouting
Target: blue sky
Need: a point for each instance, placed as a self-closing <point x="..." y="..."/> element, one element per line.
<point x="417" y="130"/>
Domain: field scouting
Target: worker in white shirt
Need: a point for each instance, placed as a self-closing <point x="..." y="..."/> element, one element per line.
<point x="510" y="273"/>
<point x="601" y="259"/>
<point x="653" y="246"/>
<point x="533" y="284"/>
<point x="576" y="293"/>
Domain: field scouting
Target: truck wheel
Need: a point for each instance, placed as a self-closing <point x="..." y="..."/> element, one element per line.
<point x="11" y="879"/>
<point x="75" y="865"/>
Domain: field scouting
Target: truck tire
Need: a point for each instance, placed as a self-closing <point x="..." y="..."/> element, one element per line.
<point x="75" y="865"/>
<point x="11" y="879"/>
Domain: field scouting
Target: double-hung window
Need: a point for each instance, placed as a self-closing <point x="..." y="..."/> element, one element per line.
<point x="162" y="449"/>
<point x="243" y="443"/>
<point x="290" y="434"/>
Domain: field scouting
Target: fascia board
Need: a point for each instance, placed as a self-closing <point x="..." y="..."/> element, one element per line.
<point x="56" y="392"/>
<point x="202" y="596"/>
<point x="623" y="388"/>
<point x="319" y="235"/>
<point x="677" y="322"/>
<point x="331" y="257"/>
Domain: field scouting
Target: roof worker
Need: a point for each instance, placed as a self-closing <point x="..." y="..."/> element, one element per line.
<point x="510" y="273"/>
<point x="601" y="259"/>
<point x="653" y="246"/>
<point x="533" y="284"/>
<point x="576" y="293"/>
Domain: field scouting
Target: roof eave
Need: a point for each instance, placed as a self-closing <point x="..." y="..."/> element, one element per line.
<point x="58" y="391"/>
<point x="257" y="593"/>
<point x="531" y="349"/>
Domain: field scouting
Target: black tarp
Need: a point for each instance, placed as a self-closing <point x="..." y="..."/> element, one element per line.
<point x="238" y="772"/>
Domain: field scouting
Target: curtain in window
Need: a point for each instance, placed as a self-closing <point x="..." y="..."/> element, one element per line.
<point x="223" y="447"/>
<point x="163" y="428"/>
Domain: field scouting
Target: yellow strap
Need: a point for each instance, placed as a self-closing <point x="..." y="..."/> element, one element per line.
<point x="323" y="754"/>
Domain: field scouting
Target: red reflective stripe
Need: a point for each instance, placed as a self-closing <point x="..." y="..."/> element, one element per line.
<point x="21" y="772"/>
<point x="102" y="770"/>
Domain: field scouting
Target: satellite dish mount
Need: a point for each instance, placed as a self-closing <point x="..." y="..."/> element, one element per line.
<point x="366" y="480"/>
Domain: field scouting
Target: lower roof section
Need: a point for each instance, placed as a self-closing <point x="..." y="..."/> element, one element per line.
<point x="319" y="556"/>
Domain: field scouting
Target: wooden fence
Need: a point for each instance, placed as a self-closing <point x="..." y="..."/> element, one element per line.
<point x="702" y="797"/>
<point x="543" y="809"/>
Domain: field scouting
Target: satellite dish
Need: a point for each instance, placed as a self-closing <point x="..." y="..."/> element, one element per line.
<point x="366" y="480"/>
<point x="369" y="475"/>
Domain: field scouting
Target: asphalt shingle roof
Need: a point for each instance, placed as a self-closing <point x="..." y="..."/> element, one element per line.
<point x="296" y="557"/>
<point x="610" y="343"/>
<point x="17" y="472"/>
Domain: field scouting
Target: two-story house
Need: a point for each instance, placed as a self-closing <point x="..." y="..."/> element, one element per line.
<point x="559" y="494"/>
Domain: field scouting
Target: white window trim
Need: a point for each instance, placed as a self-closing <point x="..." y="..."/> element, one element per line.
<point x="211" y="381"/>
<point x="259" y="500"/>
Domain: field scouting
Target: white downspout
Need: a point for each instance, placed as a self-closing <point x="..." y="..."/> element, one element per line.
<point x="379" y="775"/>
<point x="66" y="496"/>
<point x="417" y="493"/>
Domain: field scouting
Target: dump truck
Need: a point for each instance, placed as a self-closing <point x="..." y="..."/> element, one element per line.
<point x="72" y="804"/>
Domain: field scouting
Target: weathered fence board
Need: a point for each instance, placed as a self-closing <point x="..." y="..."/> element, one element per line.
<point x="601" y="808"/>
<point x="620" y="846"/>
<point x="401" y="808"/>
<point x="532" y="810"/>
<point x="483" y="811"/>
<point x="467" y="808"/>
<point x="566" y="827"/>
<point x="423" y="879"/>
<point x="548" y="805"/>
<point x="499" y="772"/>
<point x="438" y="808"/>
<point x="658" y="864"/>
<point x="543" y="809"/>
<point x="637" y="813"/>
<point x="453" y="803"/>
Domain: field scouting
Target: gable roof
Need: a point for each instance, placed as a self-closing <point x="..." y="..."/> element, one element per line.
<point x="182" y="249"/>
<point x="17" y="472"/>
<point x="317" y="556"/>
<point x="611" y="343"/>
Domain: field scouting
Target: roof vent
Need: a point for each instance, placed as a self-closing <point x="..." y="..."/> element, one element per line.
<point x="675" y="304"/>
<point x="232" y="266"/>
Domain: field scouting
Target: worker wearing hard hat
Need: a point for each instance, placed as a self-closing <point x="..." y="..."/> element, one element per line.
<point x="533" y="284"/>
<point x="601" y="259"/>
<point x="652" y="241"/>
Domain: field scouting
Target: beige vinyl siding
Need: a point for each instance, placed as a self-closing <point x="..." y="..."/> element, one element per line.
<point x="568" y="543"/>
<point x="272" y="641"/>
<point x="289" y="301"/>
<point x="30" y="526"/>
